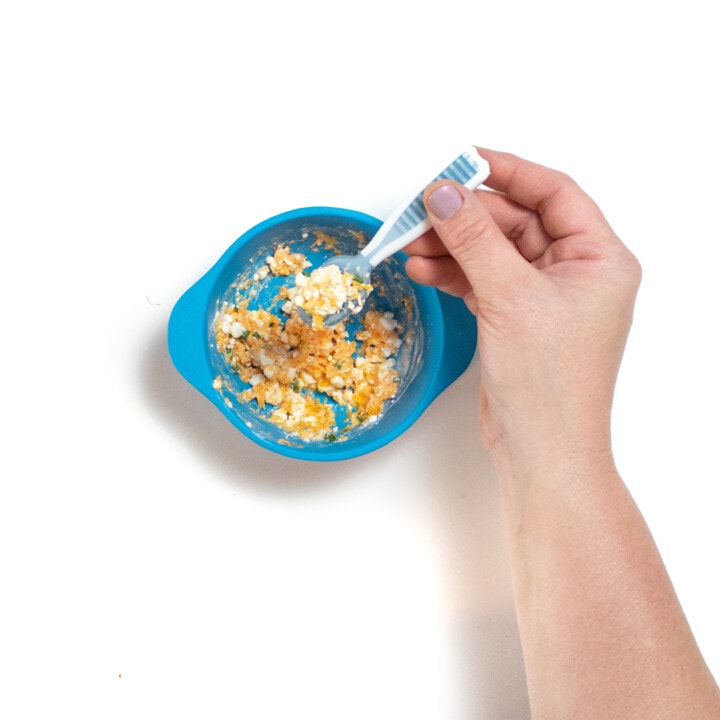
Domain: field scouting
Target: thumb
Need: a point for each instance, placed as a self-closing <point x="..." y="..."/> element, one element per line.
<point x="467" y="229"/>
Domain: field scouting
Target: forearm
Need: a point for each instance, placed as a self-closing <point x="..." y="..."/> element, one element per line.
<point x="603" y="633"/>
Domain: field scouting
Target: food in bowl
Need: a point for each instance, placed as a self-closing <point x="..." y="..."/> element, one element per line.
<point x="316" y="383"/>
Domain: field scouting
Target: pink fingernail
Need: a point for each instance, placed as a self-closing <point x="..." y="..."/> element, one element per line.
<point x="445" y="201"/>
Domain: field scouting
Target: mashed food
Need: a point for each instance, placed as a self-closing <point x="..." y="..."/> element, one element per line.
<point x="326" y="290"/>
<point x="314" y="382"/>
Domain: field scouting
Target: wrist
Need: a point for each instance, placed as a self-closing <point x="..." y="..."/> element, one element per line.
<point x="549" y="451"/>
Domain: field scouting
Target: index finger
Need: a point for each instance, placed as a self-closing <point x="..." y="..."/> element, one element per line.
<point x="428" y="245"/>
<point x="565" y="209"/>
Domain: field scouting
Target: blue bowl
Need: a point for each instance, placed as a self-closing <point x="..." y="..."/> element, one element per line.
<point x="439" y="349"/>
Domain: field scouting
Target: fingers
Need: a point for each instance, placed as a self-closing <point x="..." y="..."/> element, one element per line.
<point x="472" y="238"/>
<point x="518" y="224"/>
<point x="427" y="245"/>
<point x="441" y="272"/>
<point x="522" y="226"/>
<point x="562" y="205"/>
<point x="532" y="218"/>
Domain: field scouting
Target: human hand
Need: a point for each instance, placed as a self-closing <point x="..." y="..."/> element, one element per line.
<point x="553" y="289"/>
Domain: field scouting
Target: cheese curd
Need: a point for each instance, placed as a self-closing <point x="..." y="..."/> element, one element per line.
<point x="314" y="382"/>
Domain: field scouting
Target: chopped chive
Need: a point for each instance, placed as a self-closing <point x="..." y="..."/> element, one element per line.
<point x="244" y="336"/>
<point x="358" y="279"/>
<point x="331" y="437"/>
<point x="257" y="334"/>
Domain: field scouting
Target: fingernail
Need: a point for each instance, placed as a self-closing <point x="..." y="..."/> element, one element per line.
<point x="445" y="201"/>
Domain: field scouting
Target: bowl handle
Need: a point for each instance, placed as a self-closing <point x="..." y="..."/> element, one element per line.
<point x="187" y="339"/>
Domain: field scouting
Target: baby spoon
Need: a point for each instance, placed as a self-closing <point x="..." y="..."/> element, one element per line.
<point x="407" y="223"/>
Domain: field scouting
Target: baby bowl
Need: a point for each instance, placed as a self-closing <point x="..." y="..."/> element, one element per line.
<point x="437" y="333"/>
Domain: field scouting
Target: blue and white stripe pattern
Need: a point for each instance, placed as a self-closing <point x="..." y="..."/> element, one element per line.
<point x="462" y="170"/>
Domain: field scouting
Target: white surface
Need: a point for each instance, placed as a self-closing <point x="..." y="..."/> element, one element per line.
<point x="153" y="562"/>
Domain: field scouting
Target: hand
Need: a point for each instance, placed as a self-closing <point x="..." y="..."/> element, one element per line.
<point x="553" y="289"/>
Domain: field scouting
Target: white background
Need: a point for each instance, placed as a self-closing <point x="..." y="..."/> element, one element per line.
<point x="154" y="562"/>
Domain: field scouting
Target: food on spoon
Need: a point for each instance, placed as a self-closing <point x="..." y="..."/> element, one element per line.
<point x="326" y="290"/>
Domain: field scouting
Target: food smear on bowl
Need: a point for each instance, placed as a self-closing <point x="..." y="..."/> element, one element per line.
<point x="314" y="382"/>
<point x="285" y="262"/>
<point x="326" y="290"/>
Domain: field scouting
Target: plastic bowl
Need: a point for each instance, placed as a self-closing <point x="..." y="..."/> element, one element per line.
<point x="437" y="349"/>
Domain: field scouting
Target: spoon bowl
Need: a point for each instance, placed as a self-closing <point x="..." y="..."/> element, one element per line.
<point x="356" y="265"/>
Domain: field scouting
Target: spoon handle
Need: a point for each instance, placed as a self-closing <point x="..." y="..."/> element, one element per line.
<point x="409" y="221"/>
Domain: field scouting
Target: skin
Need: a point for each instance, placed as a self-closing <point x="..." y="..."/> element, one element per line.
<point x="553" y="289"/>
